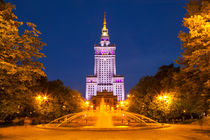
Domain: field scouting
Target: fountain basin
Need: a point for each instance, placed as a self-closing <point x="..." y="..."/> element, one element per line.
<point x="93" y="120"/>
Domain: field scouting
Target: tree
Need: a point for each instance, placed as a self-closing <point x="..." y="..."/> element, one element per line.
<point x="195" y="60"/>
<point x="60" y="100"/>
<point x="143" y="97"/>
<point x="19" y="65"/>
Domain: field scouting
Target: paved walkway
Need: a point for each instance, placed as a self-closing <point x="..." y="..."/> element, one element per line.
<point x="175" y="132"/>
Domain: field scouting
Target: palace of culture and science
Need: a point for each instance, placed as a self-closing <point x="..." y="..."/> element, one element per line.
<point x="105" y="77"/>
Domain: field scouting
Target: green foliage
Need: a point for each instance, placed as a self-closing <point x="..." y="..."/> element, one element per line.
<point x="195" y="60"/>
<point x="190" y="85"/>
<point x="22" y="77"/>
<point x="60" y="101"/>
<point x="144" y="96"/>
<point x="19" y="68"/>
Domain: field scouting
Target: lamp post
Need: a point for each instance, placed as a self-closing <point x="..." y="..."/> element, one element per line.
<point x="165" y="98"/>
<point x="87" y="105"/>
<point x="164" y="103"/>
<point x="40" y="100"/>
<point x="45" y="98"/>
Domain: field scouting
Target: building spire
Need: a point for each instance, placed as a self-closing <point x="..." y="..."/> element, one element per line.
<point x="104" y="36"/>
<point x="104" y="21"/>
<point x="104" y="29"/>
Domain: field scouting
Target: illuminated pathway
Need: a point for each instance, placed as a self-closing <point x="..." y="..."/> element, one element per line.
<point x="176" y="132"/>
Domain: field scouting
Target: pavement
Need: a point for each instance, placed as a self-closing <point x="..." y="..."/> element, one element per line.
<point x="174" y="132"/>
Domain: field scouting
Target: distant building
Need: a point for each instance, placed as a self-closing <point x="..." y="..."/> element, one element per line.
<point x="109" y="100"/>
<point x="105" y="77"/>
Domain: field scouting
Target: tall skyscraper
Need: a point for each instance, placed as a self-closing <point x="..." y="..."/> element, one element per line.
<point x="105" y="77"/>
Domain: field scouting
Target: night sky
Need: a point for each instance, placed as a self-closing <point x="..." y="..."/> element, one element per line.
<point x="144" y="31"/>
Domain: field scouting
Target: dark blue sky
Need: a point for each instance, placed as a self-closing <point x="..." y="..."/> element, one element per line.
<point x="144" y="31"/>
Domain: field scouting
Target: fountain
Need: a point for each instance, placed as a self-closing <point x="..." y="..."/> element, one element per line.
<point x="103" y="118"/>
<point x="102" y="115"/>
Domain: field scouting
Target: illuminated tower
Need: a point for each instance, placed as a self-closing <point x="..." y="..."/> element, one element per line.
<point x="105" y="77"/>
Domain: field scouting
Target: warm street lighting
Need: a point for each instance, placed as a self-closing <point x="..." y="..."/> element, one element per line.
<point x="128" y="95"/>
<point x="165" y="98"/>
<point x="87" y="103"/>
<point x="45" y="97"/>
<point x="39" y="98"/>
<point x="121" y="102"/>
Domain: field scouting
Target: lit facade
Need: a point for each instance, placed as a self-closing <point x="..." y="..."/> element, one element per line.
<point x="105" y="77"/>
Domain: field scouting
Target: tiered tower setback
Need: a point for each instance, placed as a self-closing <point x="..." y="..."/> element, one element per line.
<point x="105" y="77"/>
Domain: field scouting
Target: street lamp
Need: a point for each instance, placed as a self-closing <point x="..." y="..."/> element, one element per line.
<point x="160" y="97"/>
<point x="87" y="103"/>
<point x="121" y="103"/>
<point x="45" y="97"/>
<point x="164" y="98"/>
<point x="39" y="98"/>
